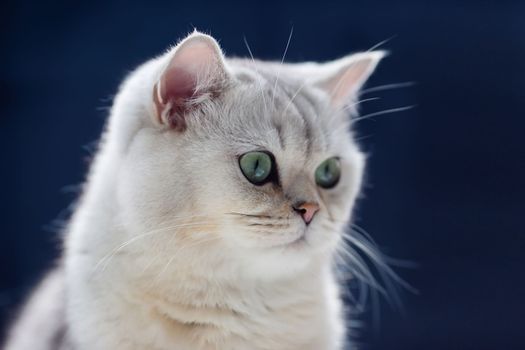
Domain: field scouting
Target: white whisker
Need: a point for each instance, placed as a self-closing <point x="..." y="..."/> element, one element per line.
<point x="357" y="103"/>
<point x="258" y="72"/>
<point x="377" y="258"/>
<point x="294" y="96"/>
<point x="281" y="64"/>
<point x="381" y="43"/>
<point x="357" y="245"/>
<point x="386" y="111"/>
<point x="105" y="260"/>
<point x="177" y="251"/>
<point x="388" y="87"/>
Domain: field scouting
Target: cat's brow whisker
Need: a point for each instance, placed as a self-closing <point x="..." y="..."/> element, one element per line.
<point x="386" y="111"/>
<point x="248" y="48"/>
<point x="388" y="87"/>
<point x="258" y="72"/>
<point x="294" y="96"/>
<point x="281" y="65"/>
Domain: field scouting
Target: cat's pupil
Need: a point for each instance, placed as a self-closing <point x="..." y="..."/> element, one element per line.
<point x="326" y="173"/>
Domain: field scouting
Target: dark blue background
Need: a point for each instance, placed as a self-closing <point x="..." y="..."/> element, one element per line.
<point x="446" y="179"/>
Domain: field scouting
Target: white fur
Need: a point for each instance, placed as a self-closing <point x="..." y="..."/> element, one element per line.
<point x="154" y="257"/>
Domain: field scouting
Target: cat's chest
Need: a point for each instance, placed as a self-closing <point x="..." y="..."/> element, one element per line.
<point x="276" y="330"/>
<point x="261" y="326"/>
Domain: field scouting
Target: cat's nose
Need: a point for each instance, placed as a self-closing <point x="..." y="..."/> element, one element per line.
<point x="307" y="210"/>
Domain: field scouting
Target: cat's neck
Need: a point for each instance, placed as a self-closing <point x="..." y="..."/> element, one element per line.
<point x="231" y="313"/>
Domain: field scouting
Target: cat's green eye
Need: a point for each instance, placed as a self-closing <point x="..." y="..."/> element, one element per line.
<point x="328" y="173"/>
<point x="256" y="166"/>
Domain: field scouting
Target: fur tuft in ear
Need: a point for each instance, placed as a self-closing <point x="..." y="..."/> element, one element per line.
<point x="343" y="78"/>
<point x="195" y="70"/>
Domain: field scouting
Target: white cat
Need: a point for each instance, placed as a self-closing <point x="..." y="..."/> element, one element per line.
<point x="213" y="210"/>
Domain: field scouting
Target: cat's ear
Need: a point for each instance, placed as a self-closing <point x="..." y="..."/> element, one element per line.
<point x="194" y="72"/>
<point x="343" y="78"/>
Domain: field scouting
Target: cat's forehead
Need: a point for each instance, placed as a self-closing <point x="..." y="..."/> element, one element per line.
<point x="270" y="109"/>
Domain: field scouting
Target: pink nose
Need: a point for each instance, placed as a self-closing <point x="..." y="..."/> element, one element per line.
<point x="306" y="210"/>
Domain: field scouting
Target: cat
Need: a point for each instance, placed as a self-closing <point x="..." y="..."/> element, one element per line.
<point x="213" y="210"/>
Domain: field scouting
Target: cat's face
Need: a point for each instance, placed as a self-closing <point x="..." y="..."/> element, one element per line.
<point x="258" y="173"/>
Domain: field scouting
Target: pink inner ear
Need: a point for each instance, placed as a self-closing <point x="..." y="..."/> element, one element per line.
<point x="176" y="85"/>
<point x="189" y="65"/>
<point x="348" y="82"/>
<point x="194" y="69"/>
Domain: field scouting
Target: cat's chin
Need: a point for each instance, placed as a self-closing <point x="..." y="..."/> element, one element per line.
<point x="286" y="260"/>
<point x="307" y="241"/>
<point x="298" y="243"/>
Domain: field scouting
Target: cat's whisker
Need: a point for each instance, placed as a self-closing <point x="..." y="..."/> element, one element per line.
<point x="182" y="243"/>
<point x="381" y="43"/>
<point x="290" y="102"/>
<point x="389" y="281"/>
<point x="388" y="87"/>
<point x="116" y="250"/>
<point x="383" y="112"/>
<point x="359" y="269"/>
<point x="364" y="137"/>
<point x="174" y="220"/>
<point x="356" y="229"/>
<point x="105" y="260"/>
<point x="251" y="220"/>
<point x="361" y="274"/>
<point x="195" y="242"/>
<point x="359" y="304"/>
<point x="273" y="225"/>
<point x="281" y="64"/>
<point x="263" y="95"/>
<point x="377" y="258"/>
<point x="353" y="105"/>
<point x="263" y="216"/>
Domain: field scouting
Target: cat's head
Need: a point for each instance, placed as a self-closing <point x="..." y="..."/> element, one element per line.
<point x="237" y="164"/>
